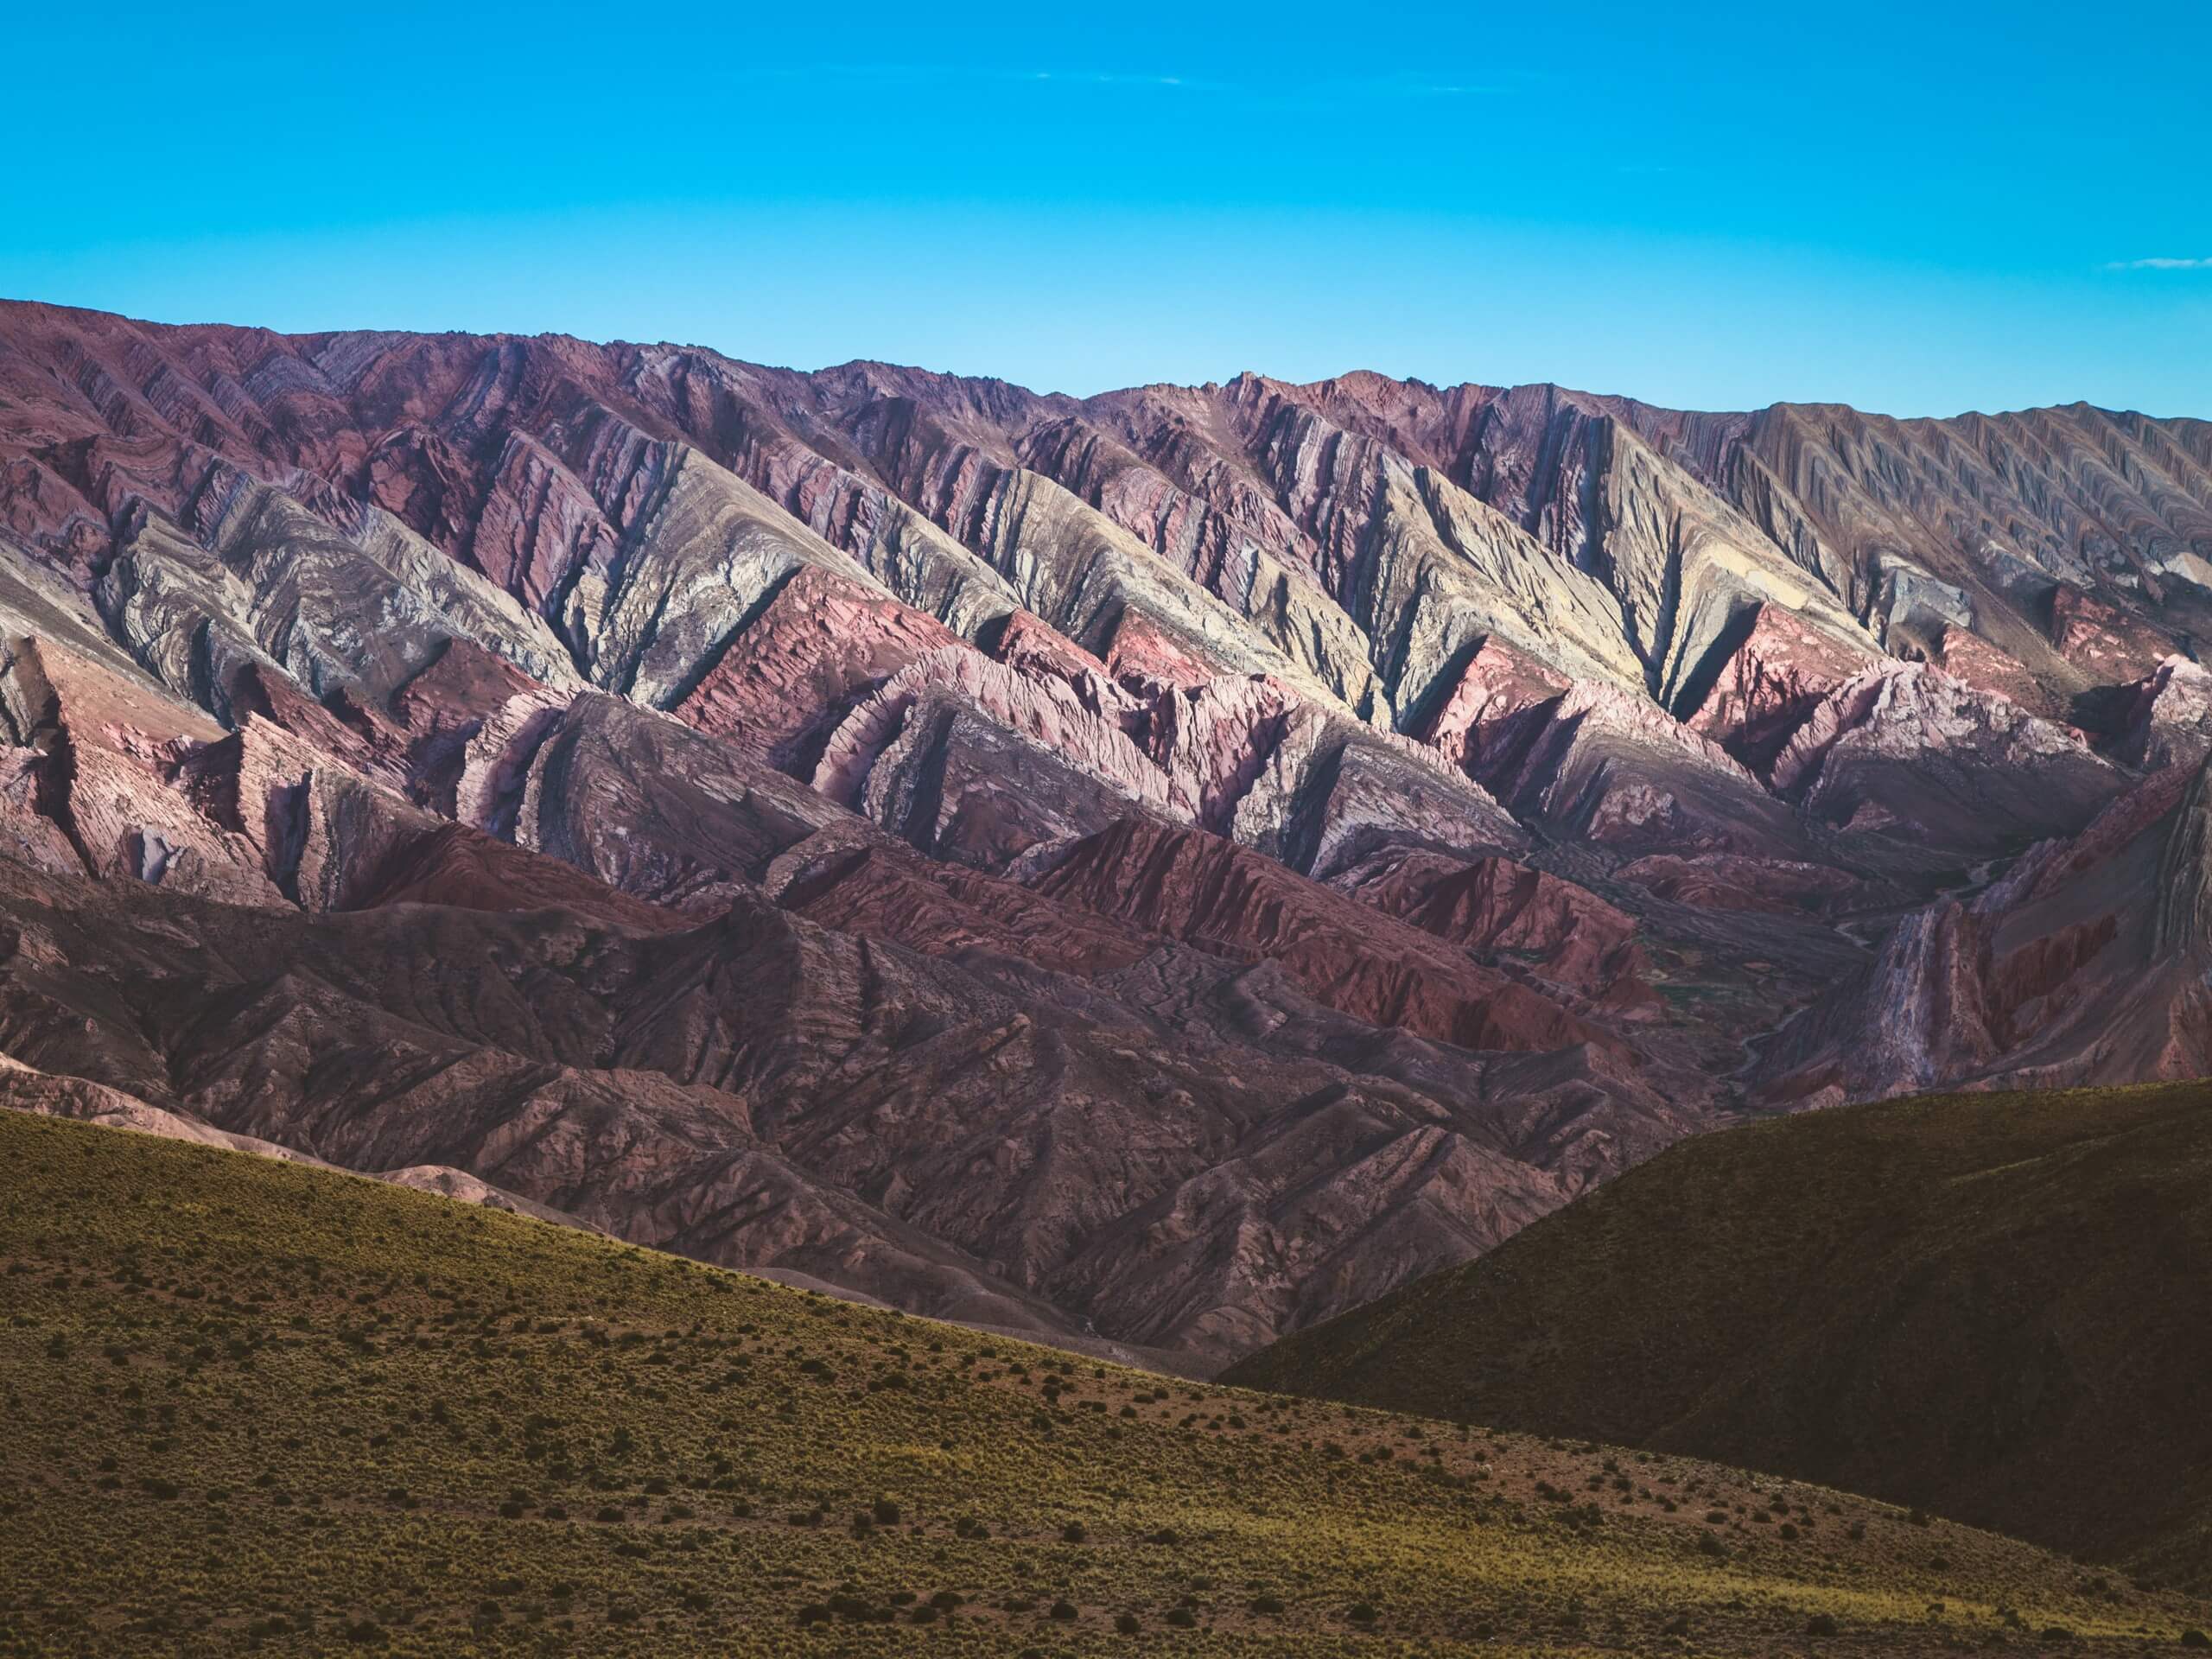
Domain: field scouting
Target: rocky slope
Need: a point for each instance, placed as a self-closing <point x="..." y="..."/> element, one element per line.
<point x="1171" y="865"/>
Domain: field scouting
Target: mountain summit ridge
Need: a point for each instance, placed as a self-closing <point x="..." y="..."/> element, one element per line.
<point x="1174" y="864"/>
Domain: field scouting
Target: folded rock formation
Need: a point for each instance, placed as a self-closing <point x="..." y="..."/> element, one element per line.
<point x="1158" y="869"/>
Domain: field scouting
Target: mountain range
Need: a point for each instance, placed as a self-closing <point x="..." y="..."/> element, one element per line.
<point x="1149" y="872"/>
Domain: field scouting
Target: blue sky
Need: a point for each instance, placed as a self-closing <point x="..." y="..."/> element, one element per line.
<point x="1918" y="208"/>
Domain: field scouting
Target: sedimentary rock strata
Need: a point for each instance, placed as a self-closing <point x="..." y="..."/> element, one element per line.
<point x="1164" y="866"/>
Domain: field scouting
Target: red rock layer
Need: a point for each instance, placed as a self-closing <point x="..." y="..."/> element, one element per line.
<point x="1212" y="893"/>
<point x="820" y="644"/>
<point x="1495" y="906"/>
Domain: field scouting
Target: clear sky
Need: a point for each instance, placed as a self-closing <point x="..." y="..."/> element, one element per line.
<point x="1915" y="208"/>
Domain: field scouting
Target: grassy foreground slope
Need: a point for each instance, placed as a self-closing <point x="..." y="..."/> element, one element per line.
<point x="257" y="1404"/>
<point x="1999" y="1307"/>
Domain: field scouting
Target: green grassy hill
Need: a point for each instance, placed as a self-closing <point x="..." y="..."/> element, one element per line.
<point x="258" y="1406"/>
<point x="1999" y="1307"/>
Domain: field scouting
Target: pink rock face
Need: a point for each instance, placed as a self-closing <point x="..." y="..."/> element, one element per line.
<point x="2049" y="865"/>
<point x="1494" y="906"/>
<point x="1027" y="645"/>
<point x="1334" y="794"/>
<point x="1600" y="766"/>
<point x="1970" y="658"/>
<point x="1926" y="1007"/>
<point x="1908" y="752"/>
<point x="109" y="776"/>
<point x="859" y="884"/>
<point x="1487" y="706"/>
<point x="1215" y="895"/>
<point x="1146" y="658"/>
<point x="1848" y="707"/>
<point x="1769" y="684"/>
<point x="463" y="685"/>
<point x="643" y="803"/>
<point x="29" y="834"/>
<point x="821" y="643"/>
<point x="442" y="714"/>
<point x="1588" y="713"/>
<point x="1048" y="710"/>
<point x="1211" y="740"/>
<point x="364" y="739"/>
<point x="424" y="481"/>
<point x="538" y="524"/>
<point x="1211" y="531"/>
<point x="454" y="865"/>
<point x="2104" y="642"/>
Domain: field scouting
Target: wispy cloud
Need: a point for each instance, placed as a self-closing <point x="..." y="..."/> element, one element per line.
<point x="938" y="73"/>
<point x="2160" y="264"/>
<point x="1101" y="78"/>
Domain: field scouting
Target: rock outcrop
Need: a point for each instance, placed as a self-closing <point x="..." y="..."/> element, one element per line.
<point x="1925" y="766"/>
<point x="2083" y="964"/>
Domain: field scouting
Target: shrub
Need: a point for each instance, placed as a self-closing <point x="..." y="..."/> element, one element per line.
<point x="1821" y="1624"/>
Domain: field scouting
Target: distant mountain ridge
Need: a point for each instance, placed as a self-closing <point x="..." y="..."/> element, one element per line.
<point x="1165" y="866"/>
